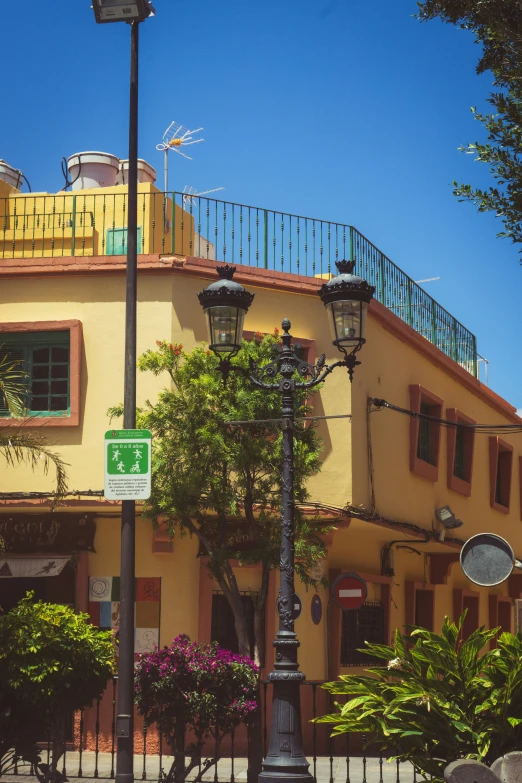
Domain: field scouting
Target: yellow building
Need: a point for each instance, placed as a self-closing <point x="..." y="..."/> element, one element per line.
<point x="385" y="472"/>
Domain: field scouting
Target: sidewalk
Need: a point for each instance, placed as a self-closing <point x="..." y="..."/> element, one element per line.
<point x="338" y="772"/>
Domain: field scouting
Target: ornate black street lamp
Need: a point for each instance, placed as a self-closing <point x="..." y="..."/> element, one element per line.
<point x="226" y="303"/>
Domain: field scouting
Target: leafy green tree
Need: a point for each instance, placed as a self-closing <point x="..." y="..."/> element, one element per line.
<point x="497" y="28"/>
<point x="222" y="483"/>
<point x="438" y="698"/>
<point x="53" y="662"/>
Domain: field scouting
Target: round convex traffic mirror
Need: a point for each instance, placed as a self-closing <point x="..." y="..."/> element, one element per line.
<point x="487" y="559"/>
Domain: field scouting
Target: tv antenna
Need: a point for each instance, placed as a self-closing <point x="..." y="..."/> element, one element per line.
<point x="174" y="138"/>
<point x="189" y="193"/>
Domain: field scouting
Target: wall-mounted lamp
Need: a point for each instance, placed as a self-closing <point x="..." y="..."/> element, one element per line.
<point x="447" y="520"/>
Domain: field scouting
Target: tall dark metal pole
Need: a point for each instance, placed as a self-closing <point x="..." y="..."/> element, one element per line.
<point x="285" y="759"/>
<point x="125" y="721"/>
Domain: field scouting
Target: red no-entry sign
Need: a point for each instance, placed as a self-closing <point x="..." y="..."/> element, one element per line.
<point x="349" y="591"/>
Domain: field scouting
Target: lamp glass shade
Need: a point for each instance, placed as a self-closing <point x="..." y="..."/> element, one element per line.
<point x="225" y="328"/>
<point x="347" y="322"/>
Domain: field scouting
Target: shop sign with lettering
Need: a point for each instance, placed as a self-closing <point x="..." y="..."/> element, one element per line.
<point x="62" y="533"/>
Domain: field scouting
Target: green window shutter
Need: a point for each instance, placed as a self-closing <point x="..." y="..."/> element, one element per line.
<point x="116" y="244"/>
<point x="46" y="360"/>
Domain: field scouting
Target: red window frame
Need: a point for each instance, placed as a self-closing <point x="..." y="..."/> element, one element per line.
<point x="500" y="613"/>
<point x="418" y="395"/>
<point x="470" y="600"/>
<point x="335" y="617"/>
<point x="420" y="597"/>
<point x="500" y="461"/>
<point x="74" y="327"/>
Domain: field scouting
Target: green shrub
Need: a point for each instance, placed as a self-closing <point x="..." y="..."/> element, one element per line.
<point x="52" y="663"/>
<point x="438" y="698"/>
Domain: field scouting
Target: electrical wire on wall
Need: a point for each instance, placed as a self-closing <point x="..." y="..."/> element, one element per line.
<point x="377" y="404"/>
<point x="387" y="564"/>
<point x="373" y="508"/>
<point x="361" y="513"/>
<point x="42" y="495"/>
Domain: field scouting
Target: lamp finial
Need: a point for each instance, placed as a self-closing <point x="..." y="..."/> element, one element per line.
<point x="345" y="267"/>
<point x="226" y="272"/>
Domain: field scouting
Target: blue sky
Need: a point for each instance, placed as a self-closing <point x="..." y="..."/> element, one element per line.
<point x="338" y="109"/>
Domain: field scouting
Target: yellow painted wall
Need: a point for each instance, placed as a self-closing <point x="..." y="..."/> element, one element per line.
<point x="179" y="573"/>
<point x="7" y="190"/>
<point x="99" y="303"/>
<point x="313" y="649"/>
<point x="358" y="549"/>
<point x="388" y="367"/>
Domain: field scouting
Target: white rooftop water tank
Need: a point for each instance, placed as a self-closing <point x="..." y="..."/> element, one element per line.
<point x="93" y="170"/>
<point x="145" y="172"/>
<point x="10" y="175"/>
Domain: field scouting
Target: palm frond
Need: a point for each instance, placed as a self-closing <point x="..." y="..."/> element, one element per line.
<point x="21" y="446"/>
<point x="13" y="385"/>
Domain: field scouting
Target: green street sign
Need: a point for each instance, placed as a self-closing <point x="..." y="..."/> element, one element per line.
<point x="127" y="464"/>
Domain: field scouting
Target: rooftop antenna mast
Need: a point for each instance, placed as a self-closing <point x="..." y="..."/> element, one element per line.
<point x="189" y="193"/>
<point x="174" y="138"/>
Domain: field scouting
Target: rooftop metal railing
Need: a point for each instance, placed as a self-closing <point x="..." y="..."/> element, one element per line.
<point x="87" y="224"/>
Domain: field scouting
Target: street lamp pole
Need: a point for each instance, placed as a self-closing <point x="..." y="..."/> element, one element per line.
<point x="285" y="757"/>
<point x="225" y="304"/>
<point x="132" y="12"/>
<point x="125" y="719"/>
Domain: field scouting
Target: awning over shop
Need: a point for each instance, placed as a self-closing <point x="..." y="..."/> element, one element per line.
<point x="23" y="567"/>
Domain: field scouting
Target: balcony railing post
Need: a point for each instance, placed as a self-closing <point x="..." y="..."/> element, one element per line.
<point x="433" y="323"/>
<point x="408" y="288"/>
<point x="73" y="227"/>
<point x="454" y="340"/>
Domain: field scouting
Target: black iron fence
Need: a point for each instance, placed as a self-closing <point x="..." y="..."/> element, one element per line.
<point x="90" y="752"/>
